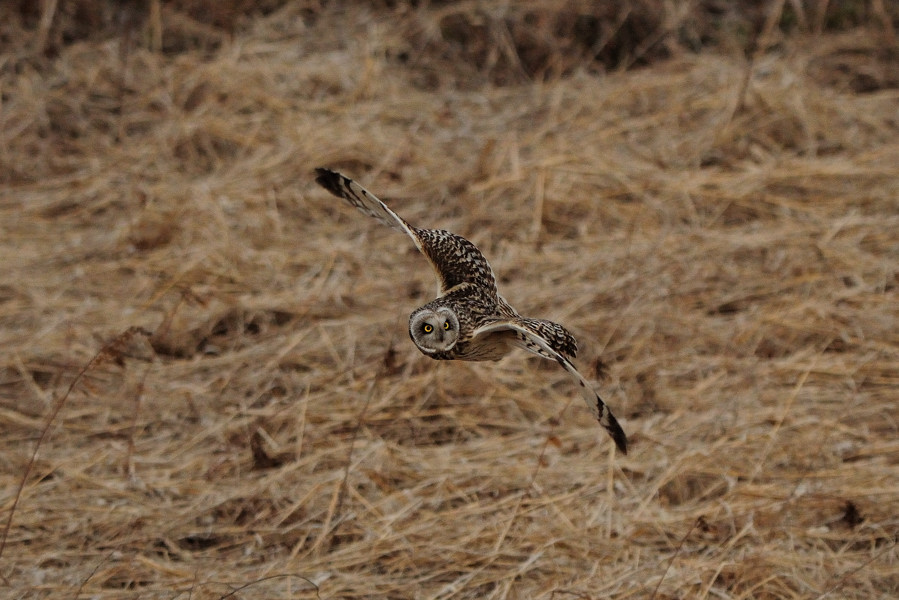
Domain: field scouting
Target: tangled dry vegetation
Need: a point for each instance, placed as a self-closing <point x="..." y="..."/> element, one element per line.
<point x="206" y="385"/>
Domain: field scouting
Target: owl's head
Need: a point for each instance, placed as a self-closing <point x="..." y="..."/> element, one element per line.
<point x="434" y="330"/>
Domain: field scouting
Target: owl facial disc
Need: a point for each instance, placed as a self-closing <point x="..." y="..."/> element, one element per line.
<point x="434" y="330"/>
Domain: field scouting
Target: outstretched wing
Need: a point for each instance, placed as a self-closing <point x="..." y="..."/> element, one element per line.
<point x="454" y="259"/>
<point x="557" y="337"/>
<point x="358" y="196"/>
<point x="534" y="342"/>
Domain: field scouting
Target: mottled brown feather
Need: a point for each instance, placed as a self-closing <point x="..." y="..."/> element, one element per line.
<point x="488" y="326"/>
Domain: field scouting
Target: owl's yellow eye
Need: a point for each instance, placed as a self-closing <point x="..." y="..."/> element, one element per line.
<point x="427" y="328"/>
<point x="446" y="325"/>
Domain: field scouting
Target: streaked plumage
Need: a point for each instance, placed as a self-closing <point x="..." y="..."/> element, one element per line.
<point x="469" y="319"/>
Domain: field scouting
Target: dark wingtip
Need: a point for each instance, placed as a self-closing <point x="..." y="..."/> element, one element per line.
<point x="328" y="179"/>
<point x="617" y="434"/>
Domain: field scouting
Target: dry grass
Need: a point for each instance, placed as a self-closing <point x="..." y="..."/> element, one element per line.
<point x="722" y="236"/>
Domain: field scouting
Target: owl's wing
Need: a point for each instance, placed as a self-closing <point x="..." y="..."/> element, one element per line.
<point x="454" y="259"/>
<point x="557" y="337"/>
<point x="532" y="341"/>
<point x="358" y="196"/>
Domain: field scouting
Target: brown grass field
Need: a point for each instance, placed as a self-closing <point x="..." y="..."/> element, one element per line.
<point x="207" y="389"/>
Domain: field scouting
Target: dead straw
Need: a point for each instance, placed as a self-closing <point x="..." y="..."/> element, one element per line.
<point x="720" y="238"/>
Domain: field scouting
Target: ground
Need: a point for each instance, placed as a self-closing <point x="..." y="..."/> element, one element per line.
<point x="207" y="388"/>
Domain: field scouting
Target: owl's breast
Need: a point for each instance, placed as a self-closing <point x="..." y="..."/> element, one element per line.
<point x="490" y="346"/>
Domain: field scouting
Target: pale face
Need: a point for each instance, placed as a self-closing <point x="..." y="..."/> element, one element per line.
<point x="434" y="330"/>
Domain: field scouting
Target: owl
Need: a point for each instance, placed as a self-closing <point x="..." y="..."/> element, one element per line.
<point x="469" y="319"/>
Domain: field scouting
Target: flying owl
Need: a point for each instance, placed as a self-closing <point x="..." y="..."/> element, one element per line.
<point x="469" y="319"/>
